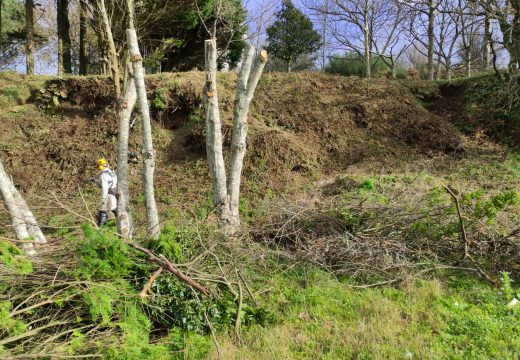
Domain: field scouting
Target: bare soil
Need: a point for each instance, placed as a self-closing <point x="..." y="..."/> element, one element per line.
<point x="302" y="127"/>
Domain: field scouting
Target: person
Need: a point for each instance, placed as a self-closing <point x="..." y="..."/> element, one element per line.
<point x="108" y="183"/>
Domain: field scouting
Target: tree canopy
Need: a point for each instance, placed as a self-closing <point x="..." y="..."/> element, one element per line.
<point x="173" y="32"/>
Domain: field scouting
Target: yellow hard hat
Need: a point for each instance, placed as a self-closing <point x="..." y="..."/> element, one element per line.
<point x="102" y="164"/>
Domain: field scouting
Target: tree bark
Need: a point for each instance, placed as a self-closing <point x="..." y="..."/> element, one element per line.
<point x="214" y="136"/>
<point x="29" y="45"/>
<point x="366" y="45"/>
<point x="238" y="141"/>
<point x="64" y="44"/>
<point x="19" y="226"/>
<point x="248" y="79"/>
<point x="83" y="27"/>
<point x="124" y="215"/>
<point x="468" y="63"/>
<point x="97" y="22"/>
<point x="59" y="14"/>
<point x="113" y="59"/>
<point x="431" y="39"/>
<point x="324" y="36"/>
<point x="487" y="44"/>
<point x="131" y="12"/>
<point x="27" y="216"/>
<point x="1" y="23"/>
<point x="152" y="216"/>
<point x="226" y="191"/>
<point x="437" y="75"/>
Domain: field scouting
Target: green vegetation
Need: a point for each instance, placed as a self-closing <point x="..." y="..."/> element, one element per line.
<point x="364" y="262"/>
<point x="320" y="317"/>
<point x="13" y="259"/>
<point x="312" y="315"/>
<point x="292" y="35"/>
<point x="489" y="106"/>
<point x="352" y="64"/>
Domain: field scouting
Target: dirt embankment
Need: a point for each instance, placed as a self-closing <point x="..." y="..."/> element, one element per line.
<point x="300" y="124"/>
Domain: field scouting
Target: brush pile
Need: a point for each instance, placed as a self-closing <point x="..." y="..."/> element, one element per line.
<point x="82" y="297"/>
<point x="380" y="240"/>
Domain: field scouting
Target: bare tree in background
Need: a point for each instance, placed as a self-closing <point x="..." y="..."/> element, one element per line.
<point x="83" y="45"/>
<point x="29" y="44"/>
<point x="259" y="19"/>
<point x="353" y="20"/>
<point x="448" y="33"/>
<point x="422" y="29"/>
<point x="467" y="20"/>
<point x="367" y="27"/>
<point x="113" y="59"/>
<point x="64" y="43"/>
<point x="507" y="14"/>
<point x="389" y="43"/>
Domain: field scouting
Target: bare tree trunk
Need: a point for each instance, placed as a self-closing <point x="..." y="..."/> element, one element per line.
<point x="64" y="36"/>
<point x="101" y="42"/>
<point x="29" y="45"/>
<point x="214" y="136"/>
<point x="324" y="35"/>
<point x="17" y="221"/>
<point x="238" y="141"/>
<point x="246" y="84"/>
<point x="487" y="43"/>
<point x="124" y="215"/>
<point x="83" y="51"/>
<point x="30" y="221"/>
<point x="152" y="216"/>
<point x="431" y="39"/>
<point x="131" y="12"/>
<point x="468" y="63"/>
<point x="113" y="60"/>
<point x="368" y="67"/>
<point x="226" y="191"/>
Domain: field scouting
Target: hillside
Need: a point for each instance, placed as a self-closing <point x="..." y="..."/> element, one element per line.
<point x="301" y="125"/>
<point x="352" y="247"/>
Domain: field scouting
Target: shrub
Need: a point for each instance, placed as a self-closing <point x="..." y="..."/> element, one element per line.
<point x="351" y="64"/>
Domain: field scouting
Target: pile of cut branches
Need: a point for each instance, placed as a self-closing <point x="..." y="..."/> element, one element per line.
<point x="387" y="242"/>
<point x="92" y="295"/>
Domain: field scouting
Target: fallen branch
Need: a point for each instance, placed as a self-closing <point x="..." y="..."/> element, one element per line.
<point x="461" y="221"/>
<point x="464" y="235"/>
<point x="164" y="263"/>
<point x="238" y="320"/>
<point x="144" y="292"/>
<point x="247" y="288"/>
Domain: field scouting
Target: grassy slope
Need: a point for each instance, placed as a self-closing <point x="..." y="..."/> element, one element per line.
<point x="318" y="315"/>
<point x="321" y="318"/>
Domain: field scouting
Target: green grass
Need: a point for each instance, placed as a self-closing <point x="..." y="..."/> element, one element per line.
<point x="320" y="317"/>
